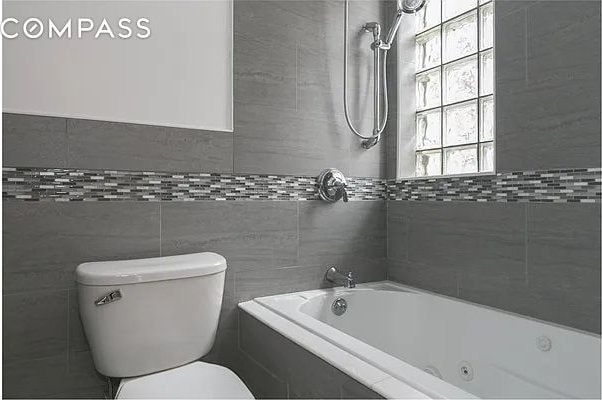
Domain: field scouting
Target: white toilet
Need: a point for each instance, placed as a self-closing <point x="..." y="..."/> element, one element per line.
<point x="150" y="320"/>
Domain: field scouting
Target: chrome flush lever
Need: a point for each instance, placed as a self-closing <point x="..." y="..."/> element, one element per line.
<point x="109" y="298"/>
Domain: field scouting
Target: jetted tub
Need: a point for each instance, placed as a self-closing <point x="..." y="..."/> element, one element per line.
<point x="406" y="343"/>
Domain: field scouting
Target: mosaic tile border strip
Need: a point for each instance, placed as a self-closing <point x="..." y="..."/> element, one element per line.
<point x="43" y="184"/>
<point x="559" y="186"/>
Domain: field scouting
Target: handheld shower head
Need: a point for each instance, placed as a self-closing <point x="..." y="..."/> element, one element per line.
<point x="403" y="7"/>
<point x="379" y="47"/>
<point x="410" y="6"/>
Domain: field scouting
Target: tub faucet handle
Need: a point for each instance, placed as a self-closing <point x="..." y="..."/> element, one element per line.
<point x="334" y="276"/>
<point x="350" y="280"/>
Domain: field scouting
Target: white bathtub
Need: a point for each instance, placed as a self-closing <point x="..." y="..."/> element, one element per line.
<point x="391" y="334"/>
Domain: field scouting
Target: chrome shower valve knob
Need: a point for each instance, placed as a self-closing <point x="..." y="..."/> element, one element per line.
<point x="332" y="186"/>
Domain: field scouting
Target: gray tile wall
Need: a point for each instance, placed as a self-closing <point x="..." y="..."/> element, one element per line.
<point x="45" y="351"/>
<point x="288" y="106"/>
<point x="288" y="58"/>
<point x="281" y="369"/>
<point x="547" y="84"/>
<point x="36" y="141"/>
<point x="540" y="260"/>
<point x="537" y="259"/>
<point x="271" y="247"/>
<point x="288" y="120"/>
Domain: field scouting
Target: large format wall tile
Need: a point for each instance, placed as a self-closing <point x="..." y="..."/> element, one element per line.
<point x="346" y="233"/>
<point x="444" y="246"/>
<point x="260" y="241"/>
<point x="319" y="96"/>
<point x="262" y="382"/>
<point x="540" y="260"/>
<point x="507" y="7"/>
<point x="269" y="139"/>
<point x="35" y="325"/>
<point x="397" y="231"/>
<point x="256" y="238"/>
<point x="562" y="236"/>
<point x="562" y="281"/>
<point x="264" y="72"/>
<point x="288" y="88"/>
<point x="563" y="263"/>
<point x="83" y="381"/>
<point x="288" y="120"/>
<point x="484" y="240"/>
<point x="44" y="242"/>
<point x="548" y="80"/>
<point x="319" y="77"/>
<point x="435" y="278"/>
<point x="261" y="235"/>
<point x="270" y="281"/>
<point x="33" y="141"/>
<point x="45" y="350"/>
<point x="258" y="234"/>
<point x="112" y="145"/>
<point x="77" y="339"/>
<point x="350" y="236"/>
<point x="40" y="378"/>
<point x="511" y="60"/>
<point x="288" y="107"/>
<point x="306" y="375"/>
<point x="53" y="377"/>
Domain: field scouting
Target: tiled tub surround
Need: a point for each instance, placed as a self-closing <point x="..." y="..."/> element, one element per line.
<point x="288" y="122"/>
<point x="284" y="369"/>
<point x="271" y="247"/>
<point x="44" y="184"/>
<point x="536" y="259"/>
<point x="416" y="331"/>
<point x="529" y="255"/>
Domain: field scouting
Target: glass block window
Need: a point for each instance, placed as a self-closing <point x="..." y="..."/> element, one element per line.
<point x="454" y="88"/>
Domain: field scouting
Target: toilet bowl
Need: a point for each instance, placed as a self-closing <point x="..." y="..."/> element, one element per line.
<point x="149" y="321"/>
<point x="197" y="380"/>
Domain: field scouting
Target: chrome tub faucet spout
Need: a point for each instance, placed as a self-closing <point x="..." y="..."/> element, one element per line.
<point x="334" y="276"/>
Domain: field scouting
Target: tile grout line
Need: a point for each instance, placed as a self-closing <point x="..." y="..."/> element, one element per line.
<point x="67" y="160"/>
<point x="526" y="243"/>
<point x="387" y="239"/>
<point x="233" y="143"/>
<point x="160" y="229"/>
<point x="296" y="76"/>
<point x="68" y="327"/>
<point x="298" y="233"/>
<point x="527" y="45"/>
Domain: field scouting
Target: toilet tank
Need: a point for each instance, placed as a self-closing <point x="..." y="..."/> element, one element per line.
<point x="147" y="315"/>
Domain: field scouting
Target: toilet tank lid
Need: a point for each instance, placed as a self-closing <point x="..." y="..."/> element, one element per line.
<point x="149" y="269"/>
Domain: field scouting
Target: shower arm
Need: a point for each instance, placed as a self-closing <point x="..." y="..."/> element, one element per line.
<point x="379" y="125"/>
